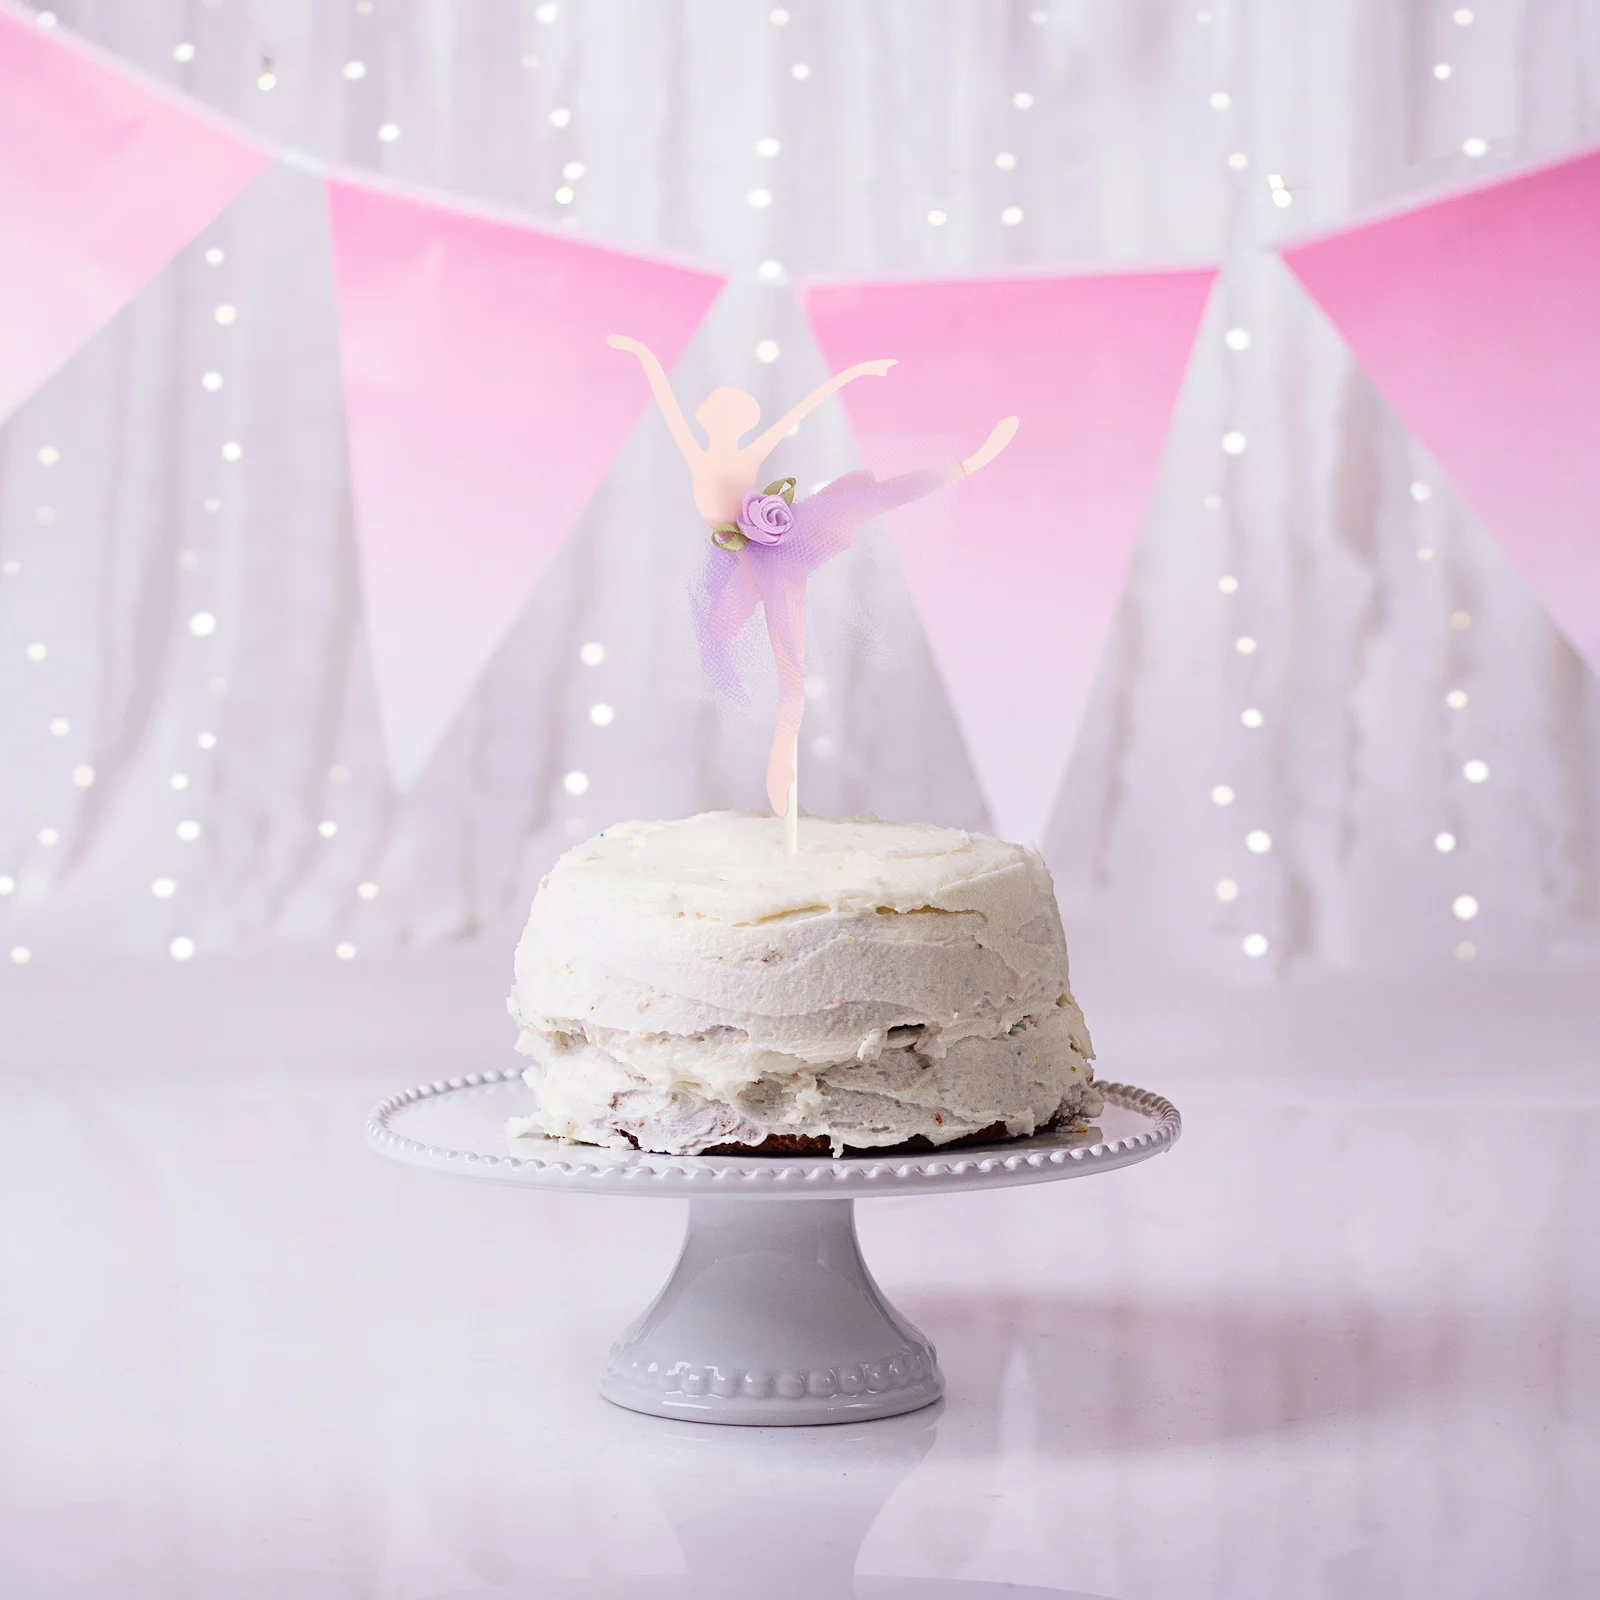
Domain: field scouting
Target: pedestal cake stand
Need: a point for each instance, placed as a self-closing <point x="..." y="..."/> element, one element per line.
<point x="770" y="1316"/>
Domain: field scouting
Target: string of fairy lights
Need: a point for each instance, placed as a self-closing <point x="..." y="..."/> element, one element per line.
<point x="1247" y="656"/>
<point x="1231" y="889"/>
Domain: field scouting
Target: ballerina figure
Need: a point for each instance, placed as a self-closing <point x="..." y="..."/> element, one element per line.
<point x="764" y="544"/>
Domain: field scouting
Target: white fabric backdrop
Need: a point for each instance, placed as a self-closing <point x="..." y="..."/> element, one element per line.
<point x="140" y="524"/>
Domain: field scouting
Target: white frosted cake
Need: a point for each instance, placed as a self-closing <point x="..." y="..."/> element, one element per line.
<point x="688" y="987"/>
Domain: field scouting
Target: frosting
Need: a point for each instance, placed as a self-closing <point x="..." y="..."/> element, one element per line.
<point x="685" y="984"/>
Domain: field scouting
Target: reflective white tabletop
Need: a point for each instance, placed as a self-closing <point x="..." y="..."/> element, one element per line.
<point x="1343" y="1342"/>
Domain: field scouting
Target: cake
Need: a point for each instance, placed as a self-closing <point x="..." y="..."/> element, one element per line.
<point x="688" y="987"/>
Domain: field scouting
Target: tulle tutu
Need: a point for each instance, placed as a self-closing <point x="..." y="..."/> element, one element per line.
<point x="733" y="583"/>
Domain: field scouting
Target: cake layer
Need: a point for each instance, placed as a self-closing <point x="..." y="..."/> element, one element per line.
<point x="687" y="984"/>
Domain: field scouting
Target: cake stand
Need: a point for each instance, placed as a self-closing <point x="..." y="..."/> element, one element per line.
<point x="770" y="1316"/>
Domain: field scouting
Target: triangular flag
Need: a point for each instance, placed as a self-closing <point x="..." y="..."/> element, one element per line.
<point x="1478" y="318"/>
<point x="483" y="409"/>
<point x="1018" y="576"/>
<point x="103" y="180"/>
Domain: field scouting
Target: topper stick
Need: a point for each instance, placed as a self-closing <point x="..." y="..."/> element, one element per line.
<point x="791" y="811"/>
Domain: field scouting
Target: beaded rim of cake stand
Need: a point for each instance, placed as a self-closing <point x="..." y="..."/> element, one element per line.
<point x="647" y="1170"/>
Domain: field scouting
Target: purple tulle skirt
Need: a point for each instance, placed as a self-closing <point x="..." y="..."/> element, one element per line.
<point x="774" y="576"/>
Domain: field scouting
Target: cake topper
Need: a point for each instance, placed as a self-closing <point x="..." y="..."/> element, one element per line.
<point x="765" y="543"/>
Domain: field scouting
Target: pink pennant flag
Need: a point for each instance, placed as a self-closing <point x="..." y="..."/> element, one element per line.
<point x="1478" y="318"/>
<point x="483" y="409"/>
<point x="103" y="180"/>
<point x="1017" y="571"/>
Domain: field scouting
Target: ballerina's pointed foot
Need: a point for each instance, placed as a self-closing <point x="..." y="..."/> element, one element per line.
<point x="779" y="776"/>
<point x="1000" y="436"/>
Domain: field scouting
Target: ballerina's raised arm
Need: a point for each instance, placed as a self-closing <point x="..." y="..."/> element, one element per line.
<point x="768" y="442"/>
<point x="661" y="388"/>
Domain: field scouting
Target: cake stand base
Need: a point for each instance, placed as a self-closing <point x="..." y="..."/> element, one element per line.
<point x="771" y="1318"/>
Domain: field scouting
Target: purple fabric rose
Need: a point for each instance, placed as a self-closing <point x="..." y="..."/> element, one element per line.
<point x="765" y="518"/>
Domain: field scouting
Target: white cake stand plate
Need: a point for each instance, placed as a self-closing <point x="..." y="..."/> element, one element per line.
<point x="770" y="1316"/>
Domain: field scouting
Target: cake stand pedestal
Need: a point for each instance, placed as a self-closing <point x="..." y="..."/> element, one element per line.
<point x="770" y="1316"/>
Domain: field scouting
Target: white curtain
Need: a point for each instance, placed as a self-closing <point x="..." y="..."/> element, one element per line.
<point x="1370" y="593"/>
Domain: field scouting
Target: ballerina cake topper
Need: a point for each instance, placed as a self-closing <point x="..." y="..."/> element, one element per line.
<point x="765" y="543"/>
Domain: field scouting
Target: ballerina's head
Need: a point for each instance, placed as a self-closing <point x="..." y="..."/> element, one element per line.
<point x="727" y="415"/>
